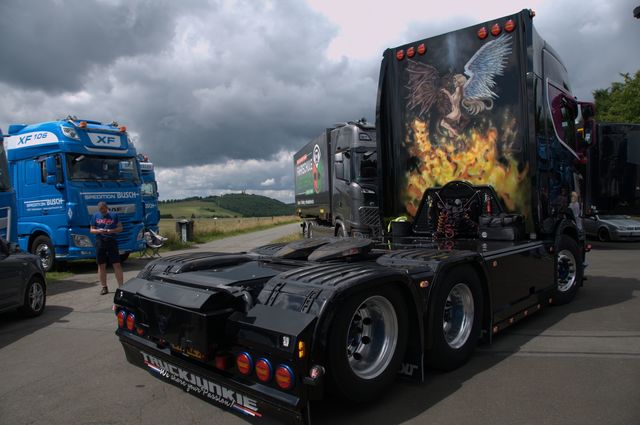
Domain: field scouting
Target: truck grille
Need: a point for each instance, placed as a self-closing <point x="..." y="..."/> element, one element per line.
<point x="126" y="236"/>
<point x="370" y="216"/>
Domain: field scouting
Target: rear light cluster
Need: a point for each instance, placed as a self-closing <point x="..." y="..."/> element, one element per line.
<point x="127" y="321"/>
<point x="264" y="371"/>
<point x="496" y="29"/>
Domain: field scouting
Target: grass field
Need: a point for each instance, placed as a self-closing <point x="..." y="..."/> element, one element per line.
<point x="206" y="229"/>
<point x="204" y="209"/>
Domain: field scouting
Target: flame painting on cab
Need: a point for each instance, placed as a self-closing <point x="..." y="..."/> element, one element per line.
<point x="463" y="126"/>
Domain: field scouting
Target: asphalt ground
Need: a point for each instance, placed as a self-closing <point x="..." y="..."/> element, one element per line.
<point x="573" y="364"/>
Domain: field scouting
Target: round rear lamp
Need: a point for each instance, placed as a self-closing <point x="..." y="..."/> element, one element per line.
<point x="131" y="322"/>
<point x="400" y="54"/>
<point x="422" y="48"/>
<point x="244" y="363"/>
<point x="510" y="25"/>
<point x="411" y="52"/>
<point x="495" y="29"/>
<point x="264" y="371"/>
<point x="483" y="33"/>
<point x="285" y="377"/>
<point x="122" y="317"/>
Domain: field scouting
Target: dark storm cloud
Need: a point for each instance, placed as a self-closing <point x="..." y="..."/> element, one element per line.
<point x="51" y="45"/>
<point x="597" y="40"/>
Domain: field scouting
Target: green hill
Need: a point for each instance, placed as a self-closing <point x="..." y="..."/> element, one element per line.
<point x="230" y="205"/>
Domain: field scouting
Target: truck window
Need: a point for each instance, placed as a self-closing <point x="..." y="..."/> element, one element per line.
<point x="563" y="110"/>
<point x="365" y="164"/>
<point x="148" y="189"/>
<point x="86" y="168"/>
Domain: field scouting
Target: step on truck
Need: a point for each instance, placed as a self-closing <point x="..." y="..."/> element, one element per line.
<point x="61" y="170"/>
<point x="7" y="198"/>
<point x="149" y="193"/>
<point x="476" y="136"/>
<point x="336" y="182"/>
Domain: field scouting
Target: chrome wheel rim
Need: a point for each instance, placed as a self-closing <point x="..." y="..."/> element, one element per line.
<point x="372" y="337"/>
<point x="457" y="318"/>
<point x="46" y="256"/>
<point x="566" y="270"/>
<point x="36" y="296"/>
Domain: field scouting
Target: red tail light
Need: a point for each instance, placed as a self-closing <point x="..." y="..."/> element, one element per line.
<point x="285" y="377"/>
<point x="495" y="30"/>
<point x="222" y="361"/>
<point x="122" y="317"/>
<point x="264" y="370"/>
<point x="482" y="33"/>
<point x="131" y="321"/>
<point x="510" y="25"/>
<point x="139" y="331"/>
<point x="400" y="54"/>
<point x="244" y="363"/>
<point x="411" y="52"/>
<point x="422" y="49"/>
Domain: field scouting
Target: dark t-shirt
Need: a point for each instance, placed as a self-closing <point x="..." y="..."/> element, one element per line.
<point x="108" y="221"/>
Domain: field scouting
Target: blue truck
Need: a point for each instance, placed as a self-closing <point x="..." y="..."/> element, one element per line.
<point x="61" y="170"/>
<point x="7" y="198"/>
<point x="149" y="190"/>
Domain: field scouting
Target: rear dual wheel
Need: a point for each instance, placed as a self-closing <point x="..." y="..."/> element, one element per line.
<point x="457" y="319"/>
<point x="367" y="343"/>
<point x="568" y="270"/>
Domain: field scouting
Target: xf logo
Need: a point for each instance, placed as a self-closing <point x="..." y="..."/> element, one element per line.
<point x="407" y="369"/>
<point x="107" y="140"/>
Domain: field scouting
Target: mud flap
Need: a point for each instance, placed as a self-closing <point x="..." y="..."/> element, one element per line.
<point x="412" y="367"/>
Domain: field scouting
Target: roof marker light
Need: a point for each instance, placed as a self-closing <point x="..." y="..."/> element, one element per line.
<point x="495" y="29"/>
<point x="510" y="25"/>
<point x="123" y="129"/>
<point x="482" y="33"/>
<point x="411" y="52"/>
<point x="83" y="124"/>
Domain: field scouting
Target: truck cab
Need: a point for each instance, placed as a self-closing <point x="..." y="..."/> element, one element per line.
<point x="336" y="182"/>
<point x="61" y="170"/>
<point x="149" y="191"/>
<point x="7" y="198"/>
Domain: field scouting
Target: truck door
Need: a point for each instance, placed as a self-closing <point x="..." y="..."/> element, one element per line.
<point x="41" y="198"/>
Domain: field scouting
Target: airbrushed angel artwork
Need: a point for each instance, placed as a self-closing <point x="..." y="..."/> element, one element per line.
<point x="457" y="128"/>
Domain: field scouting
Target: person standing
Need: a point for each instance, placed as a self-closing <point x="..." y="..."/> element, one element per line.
<point x="576" y="208"/>
<point x="106" y="225"/>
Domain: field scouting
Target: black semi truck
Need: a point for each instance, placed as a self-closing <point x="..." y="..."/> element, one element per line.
<point x="613" y="176"/>
<point x="336" y="182"/>
<point x="475" y="136"/>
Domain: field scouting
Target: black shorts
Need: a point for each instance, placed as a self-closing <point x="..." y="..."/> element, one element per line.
<point x="107" y="251"/>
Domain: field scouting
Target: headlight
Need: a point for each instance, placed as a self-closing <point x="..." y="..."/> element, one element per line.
<point x="81" y="241"/>
<point x="70" y="132"/>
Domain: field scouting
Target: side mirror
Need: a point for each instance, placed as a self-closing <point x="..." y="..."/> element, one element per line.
<point x="51" y="166"/>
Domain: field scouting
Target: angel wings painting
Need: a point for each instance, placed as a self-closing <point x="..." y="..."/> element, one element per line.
<point x="459" y="96"/>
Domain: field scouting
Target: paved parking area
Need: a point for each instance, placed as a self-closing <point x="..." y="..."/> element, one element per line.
<point x="574" y="364"/>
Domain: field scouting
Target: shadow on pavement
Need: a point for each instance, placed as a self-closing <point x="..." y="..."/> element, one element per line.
<point x="622" y="245"/>
<point x="67" y="285"/>
<point x="13" y="326"/>
<point x="407" y="400"/>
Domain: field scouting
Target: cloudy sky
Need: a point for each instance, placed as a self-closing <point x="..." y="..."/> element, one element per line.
<point x="220" y="94"/>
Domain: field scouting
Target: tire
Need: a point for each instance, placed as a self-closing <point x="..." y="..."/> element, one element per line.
<point x="123" y="257"/>
<point x="35" y="298"/>
<point x="569" y="271"/>
<point x="603" y="235"/>
<point x="43" y="248"/>
<point x="377" y="311"/>
<point x="457" y="319"/>
<point x="340" y="232"/>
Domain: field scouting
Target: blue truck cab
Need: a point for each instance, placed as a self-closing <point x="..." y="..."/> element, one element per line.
<point x="7" y="198"/>
<point x="60" y="171"/>
<point x="149" y="192"/>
